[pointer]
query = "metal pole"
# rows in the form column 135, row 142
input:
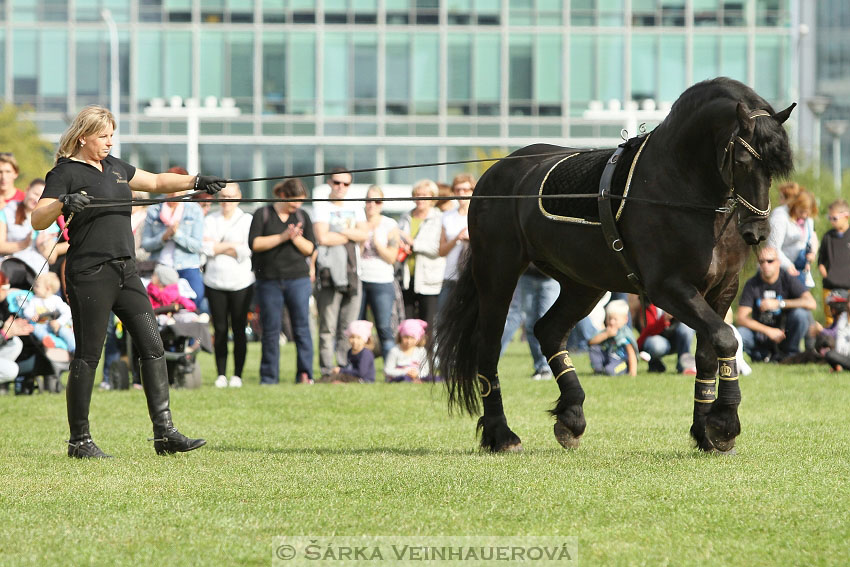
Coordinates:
column 114, row 77
column 836, row 164
column 816, row 148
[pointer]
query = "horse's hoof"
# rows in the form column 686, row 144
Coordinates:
column 719, row 444
column 728, row 453
column 565, row 437
column 510, row 448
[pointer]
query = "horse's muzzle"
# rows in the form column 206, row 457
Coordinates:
column 754, row 230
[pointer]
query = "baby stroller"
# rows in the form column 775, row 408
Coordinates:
column 182, row 342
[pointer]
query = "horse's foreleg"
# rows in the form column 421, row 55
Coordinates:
column 715, row 421
column 552, row 330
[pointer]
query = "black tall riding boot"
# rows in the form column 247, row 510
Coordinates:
column 166, row 437
column 78, row 397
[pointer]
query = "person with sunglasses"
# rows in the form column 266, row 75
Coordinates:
column 101, row 275
column 773, row 312
column 340, row 228
column 378, row 255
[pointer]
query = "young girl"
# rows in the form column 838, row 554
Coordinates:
column 49, row 315
column 407, row 361
column 361, row 360
column 164, row 292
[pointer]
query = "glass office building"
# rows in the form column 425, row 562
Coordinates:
column 365, row 83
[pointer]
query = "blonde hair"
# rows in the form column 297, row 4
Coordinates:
column 839, row 206
column 375, row 189
column 617, row 307
column 8, row 157
column 91, row 120
column 427, row 184
column 52, row 281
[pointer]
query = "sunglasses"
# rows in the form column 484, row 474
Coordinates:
column 374, row 202
column 343, row 183
column 767, row 260
column 836, row 218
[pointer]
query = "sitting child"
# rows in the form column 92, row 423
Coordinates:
column 165, row 294
column 407, row 360
column 361, row 360
column 614, row 350
column 49, row 315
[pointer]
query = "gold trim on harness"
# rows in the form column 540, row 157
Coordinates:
column 553, row 216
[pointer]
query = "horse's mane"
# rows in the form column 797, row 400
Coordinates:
column 769, row 136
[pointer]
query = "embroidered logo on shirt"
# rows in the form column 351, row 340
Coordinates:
column 118, row 178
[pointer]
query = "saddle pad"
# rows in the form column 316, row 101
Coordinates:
column 579, row 174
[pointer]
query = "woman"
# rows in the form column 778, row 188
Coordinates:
column 282, row 240
column 377, row 271
column 9, row 172
column 454, row 238
column 18, row 239
column 174, row 234
column 792, row 233
column 229, row 281
column 422, row 274
column 101, row 272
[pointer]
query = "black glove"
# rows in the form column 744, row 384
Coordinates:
column 209, row 183
column 73, row 203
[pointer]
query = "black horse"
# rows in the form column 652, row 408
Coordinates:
column 709, row 162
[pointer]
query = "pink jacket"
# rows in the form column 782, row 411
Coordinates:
column 168, row 295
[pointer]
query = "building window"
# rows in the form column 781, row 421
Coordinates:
column 38, row 78
column 397, row 74
column 227, row 67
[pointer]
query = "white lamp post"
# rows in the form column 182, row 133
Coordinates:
column 837, row 129
column 192, row 113
column 114, row 77
column 629, row 116
column 818, row 105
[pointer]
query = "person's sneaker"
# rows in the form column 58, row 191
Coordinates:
column 221, row 381
column 655, row 365
column 688, row 364
column 105, row 386
column 645, row 356
column 86, row 449
column 235, row 382
column 542, row 375
column 304, row 378
column 690, row 371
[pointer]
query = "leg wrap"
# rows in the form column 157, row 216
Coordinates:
column 730, row 391
column 491, row 395
column 705, row 391
column 566, row 377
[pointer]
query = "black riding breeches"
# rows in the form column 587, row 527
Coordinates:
column 113, row 286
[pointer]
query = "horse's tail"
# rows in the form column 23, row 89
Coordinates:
column 453, row 350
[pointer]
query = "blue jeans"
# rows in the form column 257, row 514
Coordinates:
column 381, row 298
column 271, row 295
column 759, row 347
column 196, row 282
column 581, row 333
column 533, row 297
column 675, row 338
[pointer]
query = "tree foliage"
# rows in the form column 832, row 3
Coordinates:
column 20, row 136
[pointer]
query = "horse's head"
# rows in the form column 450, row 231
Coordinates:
column 756, row 150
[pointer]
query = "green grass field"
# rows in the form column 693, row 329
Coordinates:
column 388, row 460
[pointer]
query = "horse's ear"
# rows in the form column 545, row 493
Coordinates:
column 745, row 123
column 783, row 115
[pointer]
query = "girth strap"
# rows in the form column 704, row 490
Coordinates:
column 609, row 224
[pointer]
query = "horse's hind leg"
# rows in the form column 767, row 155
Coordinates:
column 552, row 330
column 495, row 290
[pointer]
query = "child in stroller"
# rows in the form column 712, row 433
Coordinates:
column 183, row 331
